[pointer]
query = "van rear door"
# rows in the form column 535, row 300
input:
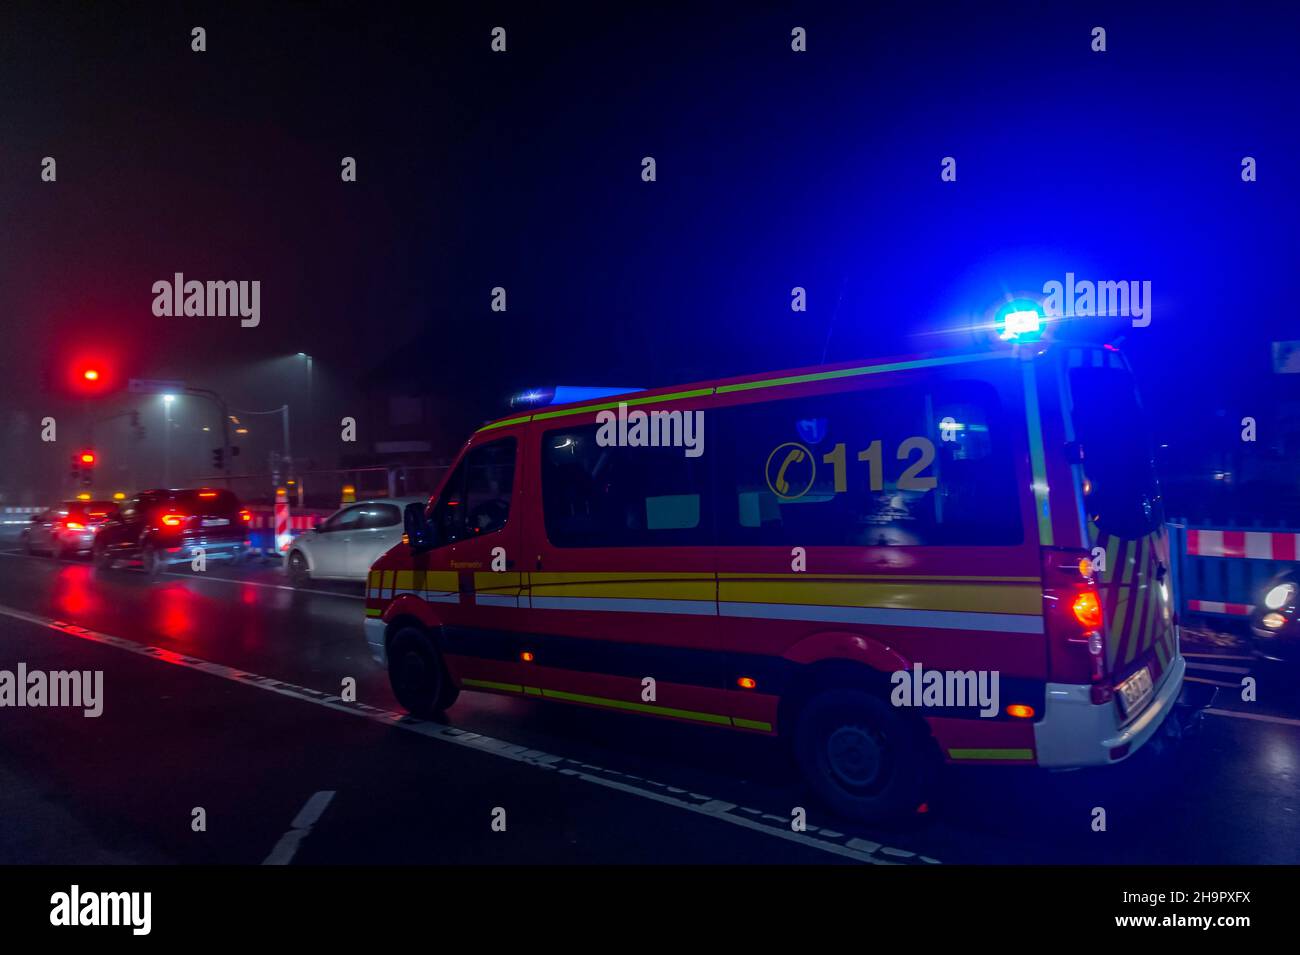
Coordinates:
column 1125, row 521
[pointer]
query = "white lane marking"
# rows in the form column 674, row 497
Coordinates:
column 1192, row 665
column 1218, row 656
column 436, row 731
column 299, row 829
column 258, row 583
column 228, row 580
column 1198, row 679
column 1259, row 717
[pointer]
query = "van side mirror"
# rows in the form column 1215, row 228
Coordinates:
column 420, row 534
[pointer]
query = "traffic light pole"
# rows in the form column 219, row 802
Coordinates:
column 225, row 426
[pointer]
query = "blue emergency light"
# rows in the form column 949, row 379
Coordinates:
column 1020, row 321
column 563, row 395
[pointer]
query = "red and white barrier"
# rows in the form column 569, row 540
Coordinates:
column 1219, row 606
column 282, row 536
column 1256, row 545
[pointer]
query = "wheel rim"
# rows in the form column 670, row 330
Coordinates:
column 857, row 757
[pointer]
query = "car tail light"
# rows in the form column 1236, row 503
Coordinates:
column 245, row 515
column 1072, row 612
column 74, row 526
column 172, row 520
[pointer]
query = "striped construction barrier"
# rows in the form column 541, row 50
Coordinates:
column 1221, row 571
column 1251, row 545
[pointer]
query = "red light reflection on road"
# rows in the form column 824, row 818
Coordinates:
column 74, row 591
column 174, row 611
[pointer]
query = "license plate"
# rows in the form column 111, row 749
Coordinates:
column 1134, row 692
column 215, row 521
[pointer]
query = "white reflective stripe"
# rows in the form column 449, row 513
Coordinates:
column 890, row 616
column 1211, row 543
column 496, row 600
column 627, row 605
column 1259, row 545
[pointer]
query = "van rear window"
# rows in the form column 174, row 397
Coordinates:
column 1124, row 496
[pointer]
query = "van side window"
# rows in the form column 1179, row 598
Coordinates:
column 476, row 498
column 894, row 467
column 594, row 496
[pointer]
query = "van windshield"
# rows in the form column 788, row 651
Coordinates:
column 1124, row 496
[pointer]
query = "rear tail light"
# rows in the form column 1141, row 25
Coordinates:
column 1072, row 611
column 172, row 520
column 75, row 526
column 245, row 516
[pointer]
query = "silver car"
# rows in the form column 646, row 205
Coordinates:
column 345, row 544
column 66, row 529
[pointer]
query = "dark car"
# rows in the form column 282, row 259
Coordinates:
column 1275, row 621
column 162, row 527
column 68, row 528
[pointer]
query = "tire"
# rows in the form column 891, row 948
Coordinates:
column 151, row 560
column 865, row 759
column 417, row 674
column 299, row 573
column 101, row 558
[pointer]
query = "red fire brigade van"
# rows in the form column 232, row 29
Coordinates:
column 775, row 553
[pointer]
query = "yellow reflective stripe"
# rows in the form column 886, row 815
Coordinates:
column 493, row 685
column 585, row 575
column 905, row 578
column 630, row 400
column 374, row 612
column 861, row 370
column 646, row 589
column 1121, row 596
column 1037, row 460
column 1141, row 602
column 503, row 424
column 567, row 697
column 991, row 754
column 486, row 583
column 635, row 707
column 917, row 595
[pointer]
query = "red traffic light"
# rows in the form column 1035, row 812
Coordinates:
column 87, row 457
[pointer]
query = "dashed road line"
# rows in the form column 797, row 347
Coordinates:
column 587, row 772
column 299, row 829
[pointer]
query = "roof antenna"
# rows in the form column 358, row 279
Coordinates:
column 831, row 326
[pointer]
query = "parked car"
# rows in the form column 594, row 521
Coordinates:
column 160, row 527
column 66, row 529
column 1275, row 620
column 347, row 542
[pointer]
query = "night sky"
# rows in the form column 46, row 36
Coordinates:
column 522, row 170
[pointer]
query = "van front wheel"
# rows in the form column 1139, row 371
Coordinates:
column 417, row 674
column 864, row 758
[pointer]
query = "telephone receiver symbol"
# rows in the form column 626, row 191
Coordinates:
column 793, row 456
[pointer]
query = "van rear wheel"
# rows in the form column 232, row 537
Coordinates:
column 863, row 757
column 417, row 674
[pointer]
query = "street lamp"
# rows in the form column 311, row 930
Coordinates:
column 167, row 440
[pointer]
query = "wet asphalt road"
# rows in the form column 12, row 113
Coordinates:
column 238, row 717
